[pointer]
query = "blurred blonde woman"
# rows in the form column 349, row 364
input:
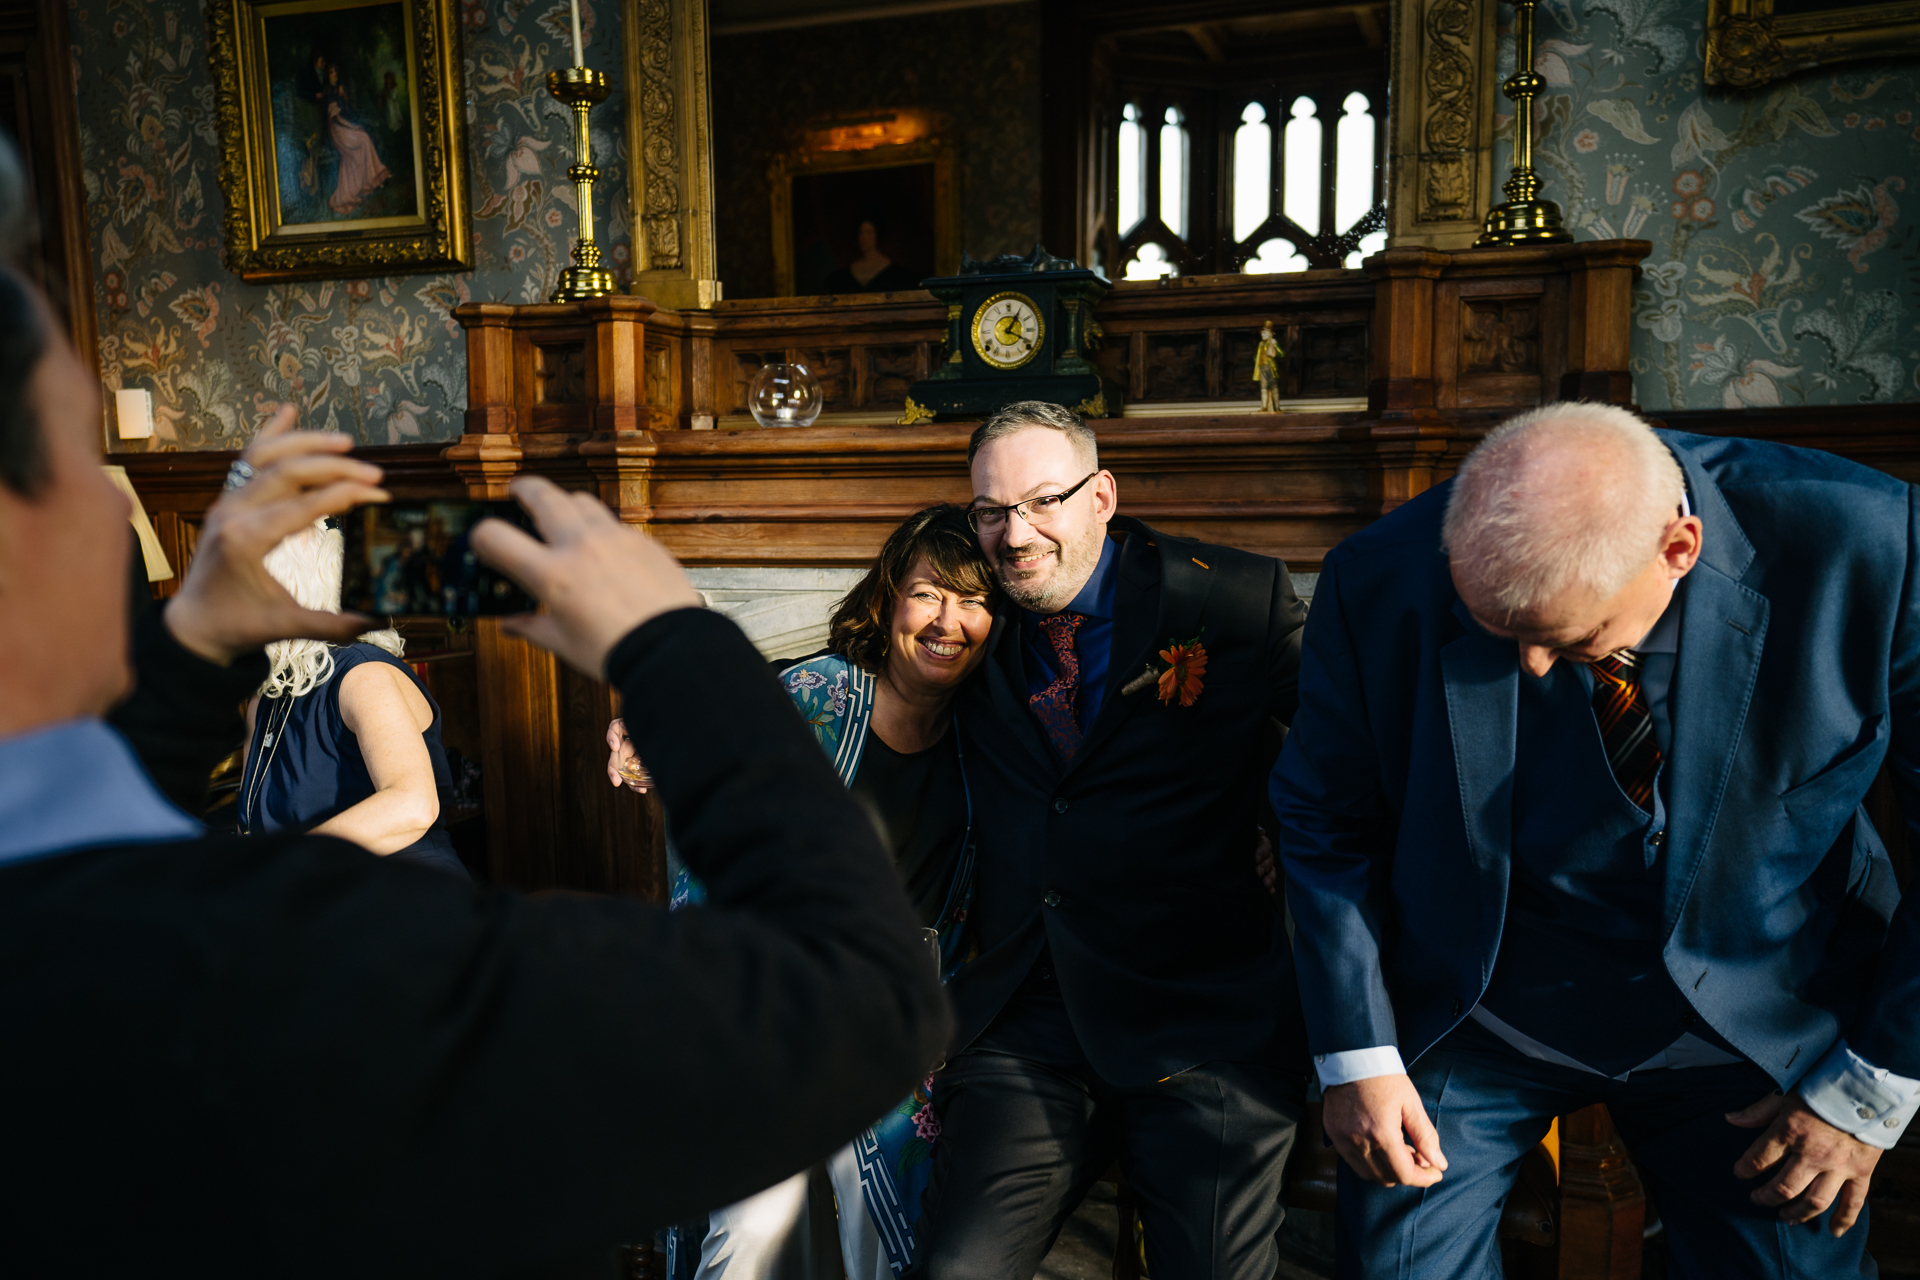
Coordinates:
column 344, row 740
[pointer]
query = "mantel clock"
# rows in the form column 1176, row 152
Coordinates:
column 1017, row 329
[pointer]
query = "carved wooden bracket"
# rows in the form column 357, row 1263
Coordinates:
column 670, row 151
column 1441, row 130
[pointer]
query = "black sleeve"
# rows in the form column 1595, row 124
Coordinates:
column 185, row 714
column 453, row 1079
column 1285, row 617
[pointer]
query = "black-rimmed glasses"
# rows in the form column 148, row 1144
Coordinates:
column 1035, row 511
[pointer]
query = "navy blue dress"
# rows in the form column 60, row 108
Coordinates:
column 304, row 765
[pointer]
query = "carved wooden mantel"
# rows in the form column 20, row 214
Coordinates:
column 594, row 395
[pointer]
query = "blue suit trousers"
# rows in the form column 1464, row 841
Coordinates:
column 1491, row 1105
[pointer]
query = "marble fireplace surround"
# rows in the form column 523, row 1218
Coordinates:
column 784, row 611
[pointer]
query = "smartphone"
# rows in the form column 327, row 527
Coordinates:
column 413, row 558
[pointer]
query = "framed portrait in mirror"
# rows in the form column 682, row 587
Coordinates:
column 342, row 138
column 877, row 220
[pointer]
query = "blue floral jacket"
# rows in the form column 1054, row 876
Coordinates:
column 836, row 698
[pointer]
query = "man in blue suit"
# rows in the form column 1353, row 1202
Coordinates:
column 1571, row 813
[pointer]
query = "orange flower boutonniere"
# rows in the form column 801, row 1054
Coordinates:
column 1186, row 663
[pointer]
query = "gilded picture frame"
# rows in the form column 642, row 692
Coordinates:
column 342, row 137
column 1750, row 43
column 925, row 163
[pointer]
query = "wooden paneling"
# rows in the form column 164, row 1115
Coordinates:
column 1503, row 328
column 37, row 111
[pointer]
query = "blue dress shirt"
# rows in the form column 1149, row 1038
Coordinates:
column 75, row 785
column 1092, row 640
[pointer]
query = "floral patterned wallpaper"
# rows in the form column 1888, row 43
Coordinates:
column 1782, row 272
column 381, row 358
column 979, row 67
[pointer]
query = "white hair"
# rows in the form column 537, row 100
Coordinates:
column 308, row 565
column 1560, row 496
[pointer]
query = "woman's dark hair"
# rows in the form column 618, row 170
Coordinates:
column 862, row 623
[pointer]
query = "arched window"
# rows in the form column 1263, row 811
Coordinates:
column 1303, row 181
column 1353, row 162
column 1132, row 169
column 1151, row 264
column 1173, row 172
column 1370, row 244
column 1252, row 172
column 1276, row 255
column 1241, row 175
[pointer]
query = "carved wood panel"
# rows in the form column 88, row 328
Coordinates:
column 1176, row 366
column 833, row 369
column 560, row 373
column 1445, row 93
column 890, row 370
column 1331, row 359
column 1500, row 336
column 745, row 365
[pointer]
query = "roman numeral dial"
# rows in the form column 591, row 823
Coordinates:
column 1008, row 330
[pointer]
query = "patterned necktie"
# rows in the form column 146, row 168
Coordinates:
column 1626, row 726
column 1054, row 705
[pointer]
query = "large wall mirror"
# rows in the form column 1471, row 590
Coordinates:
column 850, row 146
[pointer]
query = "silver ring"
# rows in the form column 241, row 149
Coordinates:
column 239, row 473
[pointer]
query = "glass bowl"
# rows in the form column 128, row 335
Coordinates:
column 784, row 395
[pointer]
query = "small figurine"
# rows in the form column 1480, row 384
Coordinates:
column 1266, row 369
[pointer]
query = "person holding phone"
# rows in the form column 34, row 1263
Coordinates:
column 278, row 1055
column 878, row 700
column 344, row 740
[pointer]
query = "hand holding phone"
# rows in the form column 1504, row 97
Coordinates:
column 417, row 558
column 598, row 578
column 228, row 604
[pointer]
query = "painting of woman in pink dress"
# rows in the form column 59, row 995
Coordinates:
column 360, row 171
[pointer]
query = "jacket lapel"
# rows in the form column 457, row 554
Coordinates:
column 1159, row 594
column 1481, row 676
column 1722, row 635
column 1006, row 676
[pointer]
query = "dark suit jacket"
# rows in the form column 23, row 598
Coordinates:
column 1169, row 951
column 280, row 1055
column 1798, row 670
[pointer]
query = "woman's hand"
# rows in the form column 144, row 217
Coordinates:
column 623, row 766
column 228, row 605
column 1263, row 862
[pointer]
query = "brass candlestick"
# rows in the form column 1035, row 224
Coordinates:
column 580, row 88
column 1523, row 219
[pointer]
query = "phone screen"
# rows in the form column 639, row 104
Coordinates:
column 413, row 558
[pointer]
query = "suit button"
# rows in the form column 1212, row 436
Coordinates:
column 1060, row 805
column 1456, row 1008
column 1657, row 839
column 1052, row 899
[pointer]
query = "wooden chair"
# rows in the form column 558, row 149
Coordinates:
column 1583, row 1223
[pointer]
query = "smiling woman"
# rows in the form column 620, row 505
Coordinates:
column 900, row 646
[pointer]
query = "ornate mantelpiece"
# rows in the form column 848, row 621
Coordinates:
column 1442, row 343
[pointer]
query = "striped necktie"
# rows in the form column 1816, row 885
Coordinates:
column 1626, row 726
column 1055, row 704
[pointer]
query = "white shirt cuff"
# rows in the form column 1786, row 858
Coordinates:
column 1856, row 1097
column 1357, row 1064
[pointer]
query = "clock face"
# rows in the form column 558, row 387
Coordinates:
column 1007, row 330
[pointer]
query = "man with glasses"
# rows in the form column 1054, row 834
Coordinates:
column 1130, row 993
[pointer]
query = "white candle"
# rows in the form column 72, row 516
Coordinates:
column 579, row 45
